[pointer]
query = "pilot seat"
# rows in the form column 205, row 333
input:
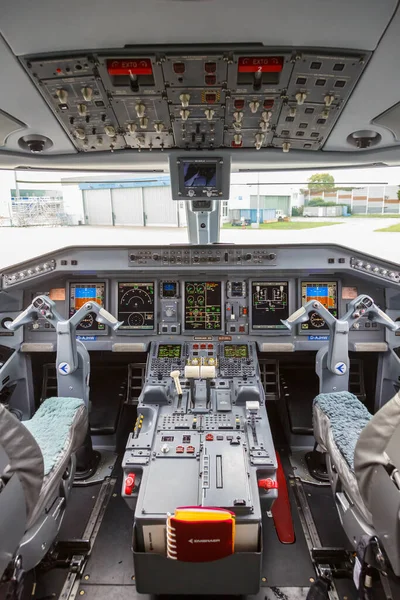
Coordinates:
column 363, row 458
column 37, row 467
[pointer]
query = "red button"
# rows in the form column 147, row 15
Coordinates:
column 195, row 346
column 267, row 484
column 210, row 80
column 210, row 67
column 209, row 437
column 210, row 346
column 239, row 104
column 130, row 484
column 179, row 68
column 245, row 310
column 202, row 346
column 268, row 103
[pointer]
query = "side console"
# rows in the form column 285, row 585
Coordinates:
column 202, row 438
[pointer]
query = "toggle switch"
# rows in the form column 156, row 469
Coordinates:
column 301, row 97
column 238, row 116
column 184, row 98
column 80, row 134
column 238, row 138
column 184, row 114
column 159, row 127
column 254, row 106
column 140, row 110
column 286, row 146
column 266, row 115
column 143, row 122
column 99, row 141
column 87, row 93
column 264, row 126
column 292, row 111
column 209, row 112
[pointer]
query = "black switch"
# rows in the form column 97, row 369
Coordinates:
column 64, row 262
column 342, row 260
column 331, row 260
column 74, row 262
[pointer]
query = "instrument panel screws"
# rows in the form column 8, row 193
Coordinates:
column 82, row 592
column 87, row 577
column 311, row 580
column 264, row 579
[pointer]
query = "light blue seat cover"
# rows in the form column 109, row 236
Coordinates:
column 348, row 417
column 51, row 427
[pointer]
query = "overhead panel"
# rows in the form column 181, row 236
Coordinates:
column 198, row 98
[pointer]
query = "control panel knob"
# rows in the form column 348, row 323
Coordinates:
column 87, row 93
column 329, row 98
column 259, row 138
column 209, row 112
column 301, row 97
column 159, row 127
column 254, row 106
column 191, row 193
column 132, row 257
column 237, row 126
column 184, row 114
column 208, row 193
column 264, row 126
column 109, row 130
column 272, row 256
column 169, row 311
column 144, row 121
column 62, row 96
column 184, row 98
column 80, row 134
column 131, row 127
column 140, row 110
column 165, row 449
column 248, row 256
column 286, row 146
column 238, row 116
column 266, row 115
column 82, row 109
column 156, row 256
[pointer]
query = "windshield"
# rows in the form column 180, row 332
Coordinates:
column 44, row 211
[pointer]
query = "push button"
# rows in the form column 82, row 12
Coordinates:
column 130, row 484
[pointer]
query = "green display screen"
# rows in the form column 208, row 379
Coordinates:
column 236, row 351
column 169, row 351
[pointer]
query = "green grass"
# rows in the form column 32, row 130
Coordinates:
column 288, row 225
column 395, row 228
column 378, row 216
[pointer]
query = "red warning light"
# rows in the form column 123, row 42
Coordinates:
column 129, row 66
column 260, row 64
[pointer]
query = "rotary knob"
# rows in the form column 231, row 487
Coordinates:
column 191, row 193
column 156, row 256
column 169, row 311
column 248, row 256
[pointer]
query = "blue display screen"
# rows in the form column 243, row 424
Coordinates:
column 86, row 292
column 169, row 287
column 317, row 291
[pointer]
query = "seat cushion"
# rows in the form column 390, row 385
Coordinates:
column 59, row 428
column 338, row 420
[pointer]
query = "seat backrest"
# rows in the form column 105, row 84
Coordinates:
column 25, row 457
column 377, row 455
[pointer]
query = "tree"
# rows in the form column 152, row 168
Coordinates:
column 321, row 182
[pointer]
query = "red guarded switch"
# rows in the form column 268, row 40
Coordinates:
column 130, row 484
column 267, row 484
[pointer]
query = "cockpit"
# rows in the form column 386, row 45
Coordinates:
column 211, row 410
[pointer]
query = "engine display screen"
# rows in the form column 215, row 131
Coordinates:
column 326, row 292
column 169, row 289
column 269, row 304
column 236, row 351
column 199, row 174
column 203, row 305
column 79, row 294
column 136, row 305
column 169, row 351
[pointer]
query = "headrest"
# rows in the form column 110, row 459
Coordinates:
column 25, row 456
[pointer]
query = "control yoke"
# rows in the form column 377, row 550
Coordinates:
column 363, row 305
column 66, row 329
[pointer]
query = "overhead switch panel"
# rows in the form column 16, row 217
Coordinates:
column 197, row 98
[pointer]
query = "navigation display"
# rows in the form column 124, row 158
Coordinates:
column 203, row 305
column 326, row 292
column 269, row 304
column 236, row 351
column 169, row 351
column 79, row 294
column 136, row 305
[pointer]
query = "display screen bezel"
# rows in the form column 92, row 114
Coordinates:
column 322, row 330
column 87, row 332
column 270, row 330
column 195, row 332
column 137, row 330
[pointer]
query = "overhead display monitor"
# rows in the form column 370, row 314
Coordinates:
column 200, row 176
column 203, row 305
column 79, row 294
column 136, row 305
column 269, row 304
column 326, row 292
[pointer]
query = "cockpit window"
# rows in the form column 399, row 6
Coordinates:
column 43, row 211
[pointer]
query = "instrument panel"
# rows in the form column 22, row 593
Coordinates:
column 136, row 305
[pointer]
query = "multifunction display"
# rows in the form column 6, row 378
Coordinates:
column 136, row 305
column 198, row 174
column 169, row 351
column 169, row 289
column 326, row 292
column 203, row 305
column 269, row 304
column 79, row 294
column 236, row 351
